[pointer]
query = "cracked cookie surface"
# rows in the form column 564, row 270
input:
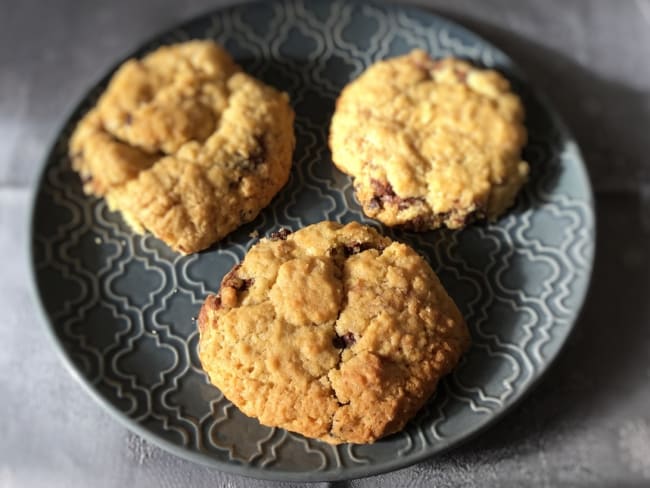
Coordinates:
column 185, row 145
column 334, row 332
column 430, row 143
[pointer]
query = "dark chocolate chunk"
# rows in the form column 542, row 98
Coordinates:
column 254, row 158
column 259, row 155
column 231, row 280
column 385, row 194
column 357, row 247
column 279, row 235
column 375, row 204
column 383, row 190
column 230, row 277
column 344, row 341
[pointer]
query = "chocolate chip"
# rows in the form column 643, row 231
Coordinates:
column 478, row 214
column 357, row 247
column 240, row 284
column 385, row 194
column 383, row 190
column 128, row 119
column 259, row 155
column 230, row 276
column 422, row 223
column 458, row 217
column 231, row 280
column 85, row 179
column 279, row 235
column 344, row 341
column 408, row 202
column 375, row 204
column 349, row 339
column 255, row 157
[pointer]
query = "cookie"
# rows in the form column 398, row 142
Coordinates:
column 430, row 143
column 185, row 145
column 334, row 332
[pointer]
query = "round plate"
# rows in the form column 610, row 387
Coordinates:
column 122, row 307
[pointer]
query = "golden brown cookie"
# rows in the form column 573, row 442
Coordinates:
column 185, row 145
column 430, row 143
column 334, row 331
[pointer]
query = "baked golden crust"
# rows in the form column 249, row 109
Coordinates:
column 430, row 143
column 335, row 332
column 185, row 145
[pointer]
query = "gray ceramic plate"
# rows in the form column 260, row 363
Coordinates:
column 121, row 306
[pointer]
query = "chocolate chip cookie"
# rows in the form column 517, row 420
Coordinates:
column 430, row 143
column 185, row 145
column 334, row 332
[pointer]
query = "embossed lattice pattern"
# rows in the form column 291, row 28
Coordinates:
column 122, row 305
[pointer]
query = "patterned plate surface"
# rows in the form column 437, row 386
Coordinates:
column 121, row 306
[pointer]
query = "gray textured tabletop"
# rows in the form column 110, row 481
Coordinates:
column 587, row 423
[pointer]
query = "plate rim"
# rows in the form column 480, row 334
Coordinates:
column 255, row 472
